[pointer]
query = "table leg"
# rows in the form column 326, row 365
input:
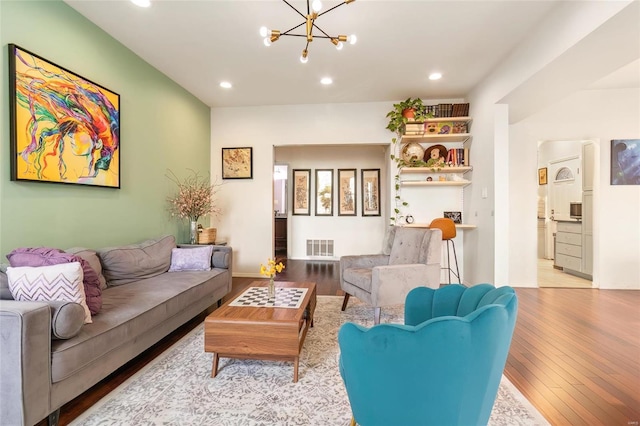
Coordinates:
column 295, row 370
column 214, row 367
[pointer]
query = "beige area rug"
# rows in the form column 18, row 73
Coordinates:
column 176, row 388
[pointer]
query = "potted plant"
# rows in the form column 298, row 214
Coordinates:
column 411, row 109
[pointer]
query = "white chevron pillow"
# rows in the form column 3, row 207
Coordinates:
column 46, row 283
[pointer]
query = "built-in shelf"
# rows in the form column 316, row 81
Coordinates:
column 426, row 138
column 435, row 183
column 458, row 169
column 441, row 119
column 426, row 225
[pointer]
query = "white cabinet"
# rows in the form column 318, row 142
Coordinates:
column 569, row 246
column 587, row 232
column 588, row 160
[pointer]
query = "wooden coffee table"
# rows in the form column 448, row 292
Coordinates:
column 271, row 333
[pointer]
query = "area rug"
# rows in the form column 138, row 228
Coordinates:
column 176, row 387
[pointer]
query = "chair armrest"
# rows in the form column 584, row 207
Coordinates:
column 25, row 362
column 391, row 283
column 363, row 261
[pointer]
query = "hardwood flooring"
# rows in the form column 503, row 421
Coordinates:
column 575, row 353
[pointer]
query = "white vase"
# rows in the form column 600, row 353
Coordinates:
column 193, row 232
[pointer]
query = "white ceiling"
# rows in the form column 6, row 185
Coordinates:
column 198, row 44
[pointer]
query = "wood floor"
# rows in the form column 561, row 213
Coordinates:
column 575, row 353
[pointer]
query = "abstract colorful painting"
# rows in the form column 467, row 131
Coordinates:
column 64, row 128
column 625, row 162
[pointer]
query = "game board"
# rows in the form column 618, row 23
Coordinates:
column 257, row 297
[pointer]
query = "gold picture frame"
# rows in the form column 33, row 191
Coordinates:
column 542, row 176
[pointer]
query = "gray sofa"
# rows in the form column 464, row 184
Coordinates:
column 39, row 372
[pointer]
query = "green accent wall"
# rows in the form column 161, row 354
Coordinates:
column 162, row 127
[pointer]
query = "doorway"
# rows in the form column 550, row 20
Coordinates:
column 565, row 252
column 280, row 209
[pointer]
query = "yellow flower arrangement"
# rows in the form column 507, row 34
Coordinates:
column 271, row 269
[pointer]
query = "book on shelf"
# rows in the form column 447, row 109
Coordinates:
column 445, row 110
column 457, row 157
column 460, row 110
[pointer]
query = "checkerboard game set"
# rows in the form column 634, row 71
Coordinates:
column 286, row 297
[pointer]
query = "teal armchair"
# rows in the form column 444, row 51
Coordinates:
column 442, row 367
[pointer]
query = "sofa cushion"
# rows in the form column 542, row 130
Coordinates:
column 191, row 259
column 46, row 283
column 43, row 256
column 128, row 312
column 406, row 246
column 92, row 257
column 127, row 264
column 67, row 318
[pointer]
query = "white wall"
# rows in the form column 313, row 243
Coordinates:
column 591, row 114
column 351, row 234
column 574, row 30
column 247, row 219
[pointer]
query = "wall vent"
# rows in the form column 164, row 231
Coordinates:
column 320, row 248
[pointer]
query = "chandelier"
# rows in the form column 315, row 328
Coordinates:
column 313, row 13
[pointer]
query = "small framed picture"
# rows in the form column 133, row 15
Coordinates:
column 456, row 217
column 347, row 192
column 237, row 163
column 370, row 192
column 324, row 192
column 301, row 192
column 542, row 176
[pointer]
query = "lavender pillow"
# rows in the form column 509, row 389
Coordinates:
column 191, row 259
column 46, row 256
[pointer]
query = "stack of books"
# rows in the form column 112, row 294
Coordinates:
column 434, row 110
column 414, row 128
column 460, row 110
column 448, row 110
column 445, row 110
column 458, row 157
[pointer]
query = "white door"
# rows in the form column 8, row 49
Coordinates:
column 565, row 186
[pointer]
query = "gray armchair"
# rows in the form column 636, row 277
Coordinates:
column 410, row 259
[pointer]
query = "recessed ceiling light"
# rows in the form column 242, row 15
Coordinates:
column 142, row 3
column 435, row 76
column 326, row 81
column 225, row 85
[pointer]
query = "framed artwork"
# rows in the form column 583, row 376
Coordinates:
column 625, row 162
column 324, row 192
column 63, row 127
column 347, row 194
column 370, row 192
column 542, row 176
column 237, row 163
column 301, row 192
column 455, row 216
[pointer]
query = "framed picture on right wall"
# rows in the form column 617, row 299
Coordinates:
column 370, row 192
column 625, row 162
